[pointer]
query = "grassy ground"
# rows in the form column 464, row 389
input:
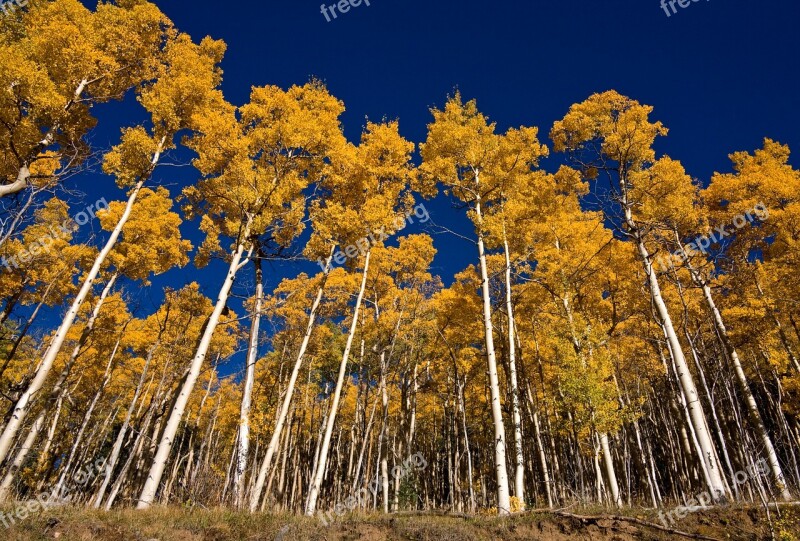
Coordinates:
column 174, row 524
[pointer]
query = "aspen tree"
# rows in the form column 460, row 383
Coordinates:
column 611, row 135
column 315, row 301
column 253, row 185
column 185, row 81
column 118, row 44
column 462, row 151
column 773, row 206
column 370, row 195
column 150, row 244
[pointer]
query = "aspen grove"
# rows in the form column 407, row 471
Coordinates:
column 602, row 349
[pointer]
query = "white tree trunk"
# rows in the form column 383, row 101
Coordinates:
column 384, row 437
column 19, row 459
column 610, row 472
column 519, row 478
column 243, row 446
column 150, row 488
column 463, row 412
column 111, row 462
column 708, row 457
column 56, row 392
column 287, row 400
column 66, row 466
column 752, row 408
column 319, row 473
column 503, row 496
column 708, row 453
column 24, row 173
column 542, row 459
column 23, row 404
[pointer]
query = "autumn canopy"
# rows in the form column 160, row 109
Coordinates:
column 596, row 351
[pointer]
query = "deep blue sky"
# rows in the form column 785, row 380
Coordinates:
column 722, row 74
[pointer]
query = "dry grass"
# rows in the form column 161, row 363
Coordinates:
column 177, row 524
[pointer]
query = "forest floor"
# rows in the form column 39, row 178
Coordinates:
column 176, row 524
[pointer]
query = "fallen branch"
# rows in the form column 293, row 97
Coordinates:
column 562, row 513
column 596, row 518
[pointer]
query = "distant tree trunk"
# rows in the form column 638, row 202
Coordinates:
column 603, row 437
column 319, row 473
column 779, row 326
column 88, row 415
column 384, row 437
column 463, row 412
column 542, row 460
column 255, row 496
column 137, row 447
column 111, row 461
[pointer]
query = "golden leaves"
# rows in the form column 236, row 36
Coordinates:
column 620, row 124
column 151, row 239
column 131, row 160
column 256, row 173
column 185, row 85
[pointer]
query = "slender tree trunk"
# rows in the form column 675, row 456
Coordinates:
column 716, row 485
column 641, row 456
column 501, row 471
column 542, row 460
column 319, row 473
column 56, row 392
column 778, row 325
column 463, row 412
column 23, row 403
column 137, row 447
column 148, row 495
column 365, row 440
column 111, row 462
column 19, row 459
column 519, row 478
column 384, row 437
column 255, row 496
column 752, row 408
column 88, row 415
column 243, row 446
column 603, row 437
column 610, row 472
column 744, row 387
